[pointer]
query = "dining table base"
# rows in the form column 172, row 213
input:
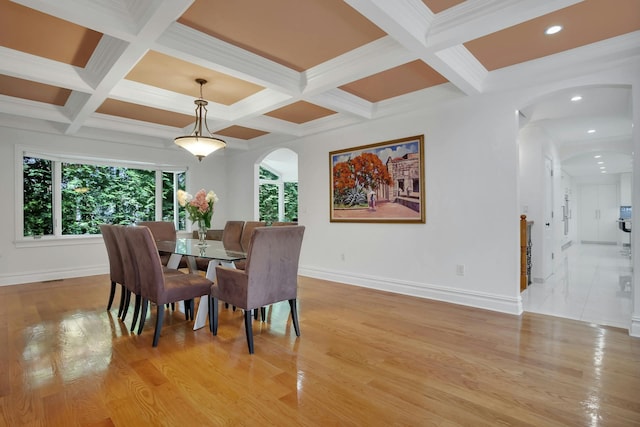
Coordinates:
column 203, row 306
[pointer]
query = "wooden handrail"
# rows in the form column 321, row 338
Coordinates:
column 523, row 253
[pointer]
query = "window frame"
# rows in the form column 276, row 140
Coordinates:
column 59, row 157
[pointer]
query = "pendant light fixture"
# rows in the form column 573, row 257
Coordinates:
column 199, row 144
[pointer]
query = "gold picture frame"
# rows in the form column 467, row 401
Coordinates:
column 381, row 182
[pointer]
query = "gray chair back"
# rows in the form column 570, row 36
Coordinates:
column 271, row 273
column 231, row 235
column 271, row 276
column 247, row 232
column 116, row 271
column 272, row 265
column 161, row 230
column 131, row 280
column 212, row 234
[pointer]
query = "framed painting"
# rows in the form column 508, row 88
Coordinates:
column 382, row 182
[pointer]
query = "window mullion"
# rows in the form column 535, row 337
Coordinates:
column 280, row 200
column 158, row 195
column 57, row 198
column 176, row 208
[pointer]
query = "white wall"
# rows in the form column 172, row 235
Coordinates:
column 531, row 140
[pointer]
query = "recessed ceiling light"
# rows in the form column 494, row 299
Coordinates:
column 602, row 167
column 576, row 98
column 597, row 156
column 600, row 163
column 591, row 131
column 603, row 171
column 553, row 29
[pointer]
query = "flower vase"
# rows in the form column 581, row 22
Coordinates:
column 202, row 234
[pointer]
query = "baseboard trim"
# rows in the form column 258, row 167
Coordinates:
column 596, row 242
column 42, row 276
column 634, row 329
column 422, row 290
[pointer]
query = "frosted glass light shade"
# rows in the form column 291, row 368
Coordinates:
column 200, row 146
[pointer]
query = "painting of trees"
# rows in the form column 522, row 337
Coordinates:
column 353, row 179
column 381, row 182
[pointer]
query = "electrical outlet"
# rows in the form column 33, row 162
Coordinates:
column 460, row 269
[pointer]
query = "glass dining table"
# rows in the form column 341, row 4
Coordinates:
column 213, row 250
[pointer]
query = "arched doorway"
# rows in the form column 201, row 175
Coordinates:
column 576, row 174
column 278, row 187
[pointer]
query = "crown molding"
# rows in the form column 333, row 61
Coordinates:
column 259, row 103
column 30, row 67
column 32, row 109
column 344, row 102
column 185, row 43
column 616, row 52
column 105, row 16
column 461, row 68
column 374, row 57
column 407, row 21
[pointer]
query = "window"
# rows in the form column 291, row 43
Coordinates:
column 278, row 200
column 63, row 197
column 38, row 196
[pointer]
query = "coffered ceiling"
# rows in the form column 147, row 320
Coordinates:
column 282, row 69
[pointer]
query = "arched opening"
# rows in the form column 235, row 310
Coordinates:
column 575, row 178
column 278, row 187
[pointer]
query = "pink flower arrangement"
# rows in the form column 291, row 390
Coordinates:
column 199, row 207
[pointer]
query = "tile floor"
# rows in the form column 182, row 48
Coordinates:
column 591, row 283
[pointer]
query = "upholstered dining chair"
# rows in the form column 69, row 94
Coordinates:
column 245, row 238
column 163, row 230
column 131, row 279
column 212, row 234
column 247, row 231
column 157, row 286
column 131, row 283
column 231, row 235
column 116, row 271
column 271, row 275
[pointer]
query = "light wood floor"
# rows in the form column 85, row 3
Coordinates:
column 365, row 358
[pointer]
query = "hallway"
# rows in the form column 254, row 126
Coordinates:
column 592, row 283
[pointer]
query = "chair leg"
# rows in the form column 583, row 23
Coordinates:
column 294, row 316
column 143, row 314
column 263, row 312
column 136, row 312
column 123, row 293
column 189, row 308
column 127, row 301
column 255, row 313
column 159, row 319
column 112, row 293
column 248, row 329
column 213, row 315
